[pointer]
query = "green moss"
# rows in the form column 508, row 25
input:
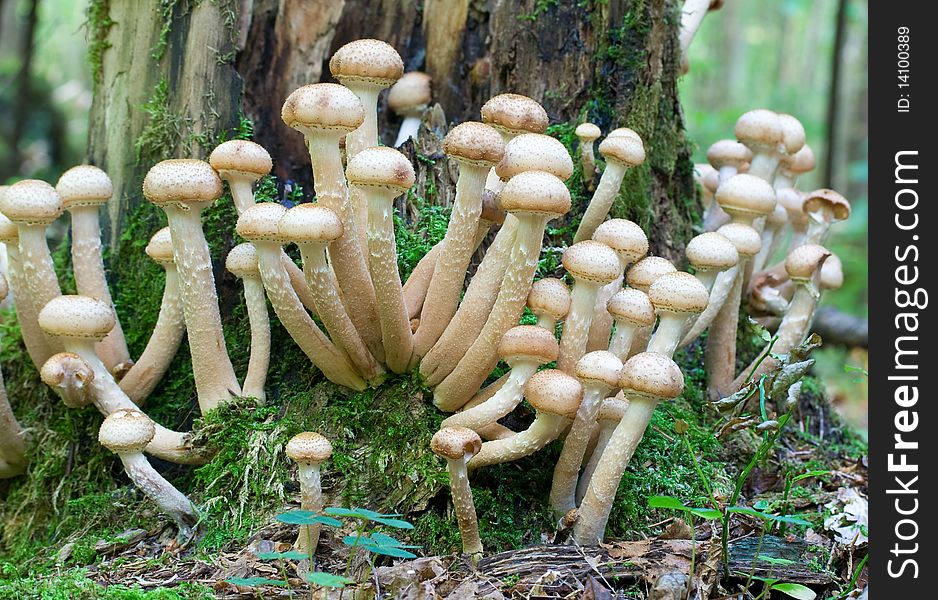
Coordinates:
column 98, row 24
column 164, row 128
column 75, row 584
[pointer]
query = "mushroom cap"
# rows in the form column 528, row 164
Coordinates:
column 625, row 237
column 593, row 261
column 309, row 447
column 9, row 234
column 554, row 392
column 711, row 251
column 31, row 202
column 515, row 114
column 646, row 271
column 310, row 223
column 598, row 368
column 832, row 273
column 632, row 306
column 793, row 135
column 746, row 195
column 800, row 162
column 549, row 296
column 678, row 292
column 711, row 180
column 260, row 223
column 587, row 132
column 160, row 247
column 242, row 261
column 411, row 93
column 474, row 143
column 803, row 261
column 612, row 409
column 323, row 107
column 778, row 217
column 367, row 61
column 382, row 168
column 793, row 202
column 759, row 129
column 535, row 192
column 624, row 132
column 84, row 185
column 62, row 365
column 728, row 153
column 126, row 431
column 747, row 240
column 623, row 149
column 528, row 342
column 77, row 317
column 492, row 213
column 242, row 158
column 535, row 152
column 181, row 181
column 455, row 443
column 652, row 375
column 825, row 199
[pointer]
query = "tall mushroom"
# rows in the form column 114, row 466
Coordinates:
column 242, row 263
column 309, row 450
column 458, row 445
column 513, row 115
column 677, row 297
column 710, row 254
column 587, row 133
column 607, row 419
column 409, row 98
column 761, row 131
column 621, row 153
column 692, row 15
column 728, row 157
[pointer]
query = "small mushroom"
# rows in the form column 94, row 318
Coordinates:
column 710, row 254
column 458, row 445
column 309, row 450
column 621, row 153
column 607, row 419
column 549, row 300
column 409, row 98
column 793, row 136
column 587, row 133
column 728, row 157
column 761, row 131
column 632, row 311
column 746, row 199
column 793, row 166
column 242, row 263
column 641, row 276
column 513, row 115
column 70, row 378
column 823, row 208
column 677, row 297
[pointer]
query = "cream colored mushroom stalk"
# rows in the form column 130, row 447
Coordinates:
column 383, row 174
column 458, row 445
column 555, row 397
column 598, row 372
column 587, row 133
column 632, row 311
column 260, row 226
column 12, row 436
column 84, row 190
column 476, row 148
column 309, row 450
column 183, row 188
column 409, row 98
column 313, row 228
column 607, row 419
column 677, row 297
column 692, row 15
column 640, row 277
column 761, row 131
column 646, row 379
column 127, row 433
column 242, row 263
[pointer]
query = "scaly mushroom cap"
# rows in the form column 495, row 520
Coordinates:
column 535, row 152
column 800, row 162
column 632, row 306
column 759, row 128
column 475, row 144
column 747, row 240
column 491, row 211
column 625, row 237
column 126, row 430
column 260, row 223
column 308, row 447
column 31, row 202
column 160, row 247
column 367, row 61
column 832, row 273
column 310, row 223
column 79, row 317
column 59, row 366
column 728, row 153
column 515, row 114
column 652, row 375
column 623, row 149
column 778, row 216
column 646, row 271
column 535, row 192
column 456, row 443
column 678, row 292
column 242, row 261
column 554, row 392
column 528, row 342
column 549, row 296
column 240, row 157
column 825, row 198
column 792, row 133
column 323, row 107
column 587, row 132
column 411, row 93
column 803, row 261
column 381, row 167
column 598, row 367
column 612, row 409
column 84, row 185
column 590, row 260
column 624, row 132
column 711, row 251
column 793, row 203
column 8, row 232
column 746, row 195
column 711, row 180
column 181, row 181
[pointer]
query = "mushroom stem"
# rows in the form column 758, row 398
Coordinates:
column 719, row 292
column 36, row 267
column 606, row 191
column 12, row 439
column 606, row 426
column 720, row 355
column 669, row 332
column 39, row 346
column 505, row 399
column 170, row 500
column 409, row 128
column 256, row 302
column 464, row 506
column 309, row 474
column 577, row 324
column 621, row 343
column 545, row 429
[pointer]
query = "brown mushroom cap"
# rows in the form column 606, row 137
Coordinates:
column 598, row 367
column 711, row 251
column 84, row 185
column 612, row 409
column 261, row 223
column 411, row 92
column 455, row 443
column 624, row 132
column 747, row 240
column 310, row 223
column 240, row 157
column 803, row 261
column 759, row 128
column 711, row 180
column 381, row 167
column 549, row 296
column 324, row 107
column 800, row 162
column 825, row 198
column 554, row 392
column 632, row 306
column 535, row 152
column 181, row 181
column 747, row 195
column 515, row 114
column 77, row 317
column 728, row 153
column 160, row 247
column 491, row 211
column 793, row 135
column 126, row 431
column 832, row 273
column 474, row 143
column 242, row 261
column 527, row 342
column 652, row 375
column 308, row 447
column 535, row 192
column 590, row 260
column 778, row 216
column 587, row 132
column 67, row 365
column 646, row 271
column 625, row 237
column 31, row 202
column 367, row 61
column 678, row 292
column 624, row 150
column 8, row 232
